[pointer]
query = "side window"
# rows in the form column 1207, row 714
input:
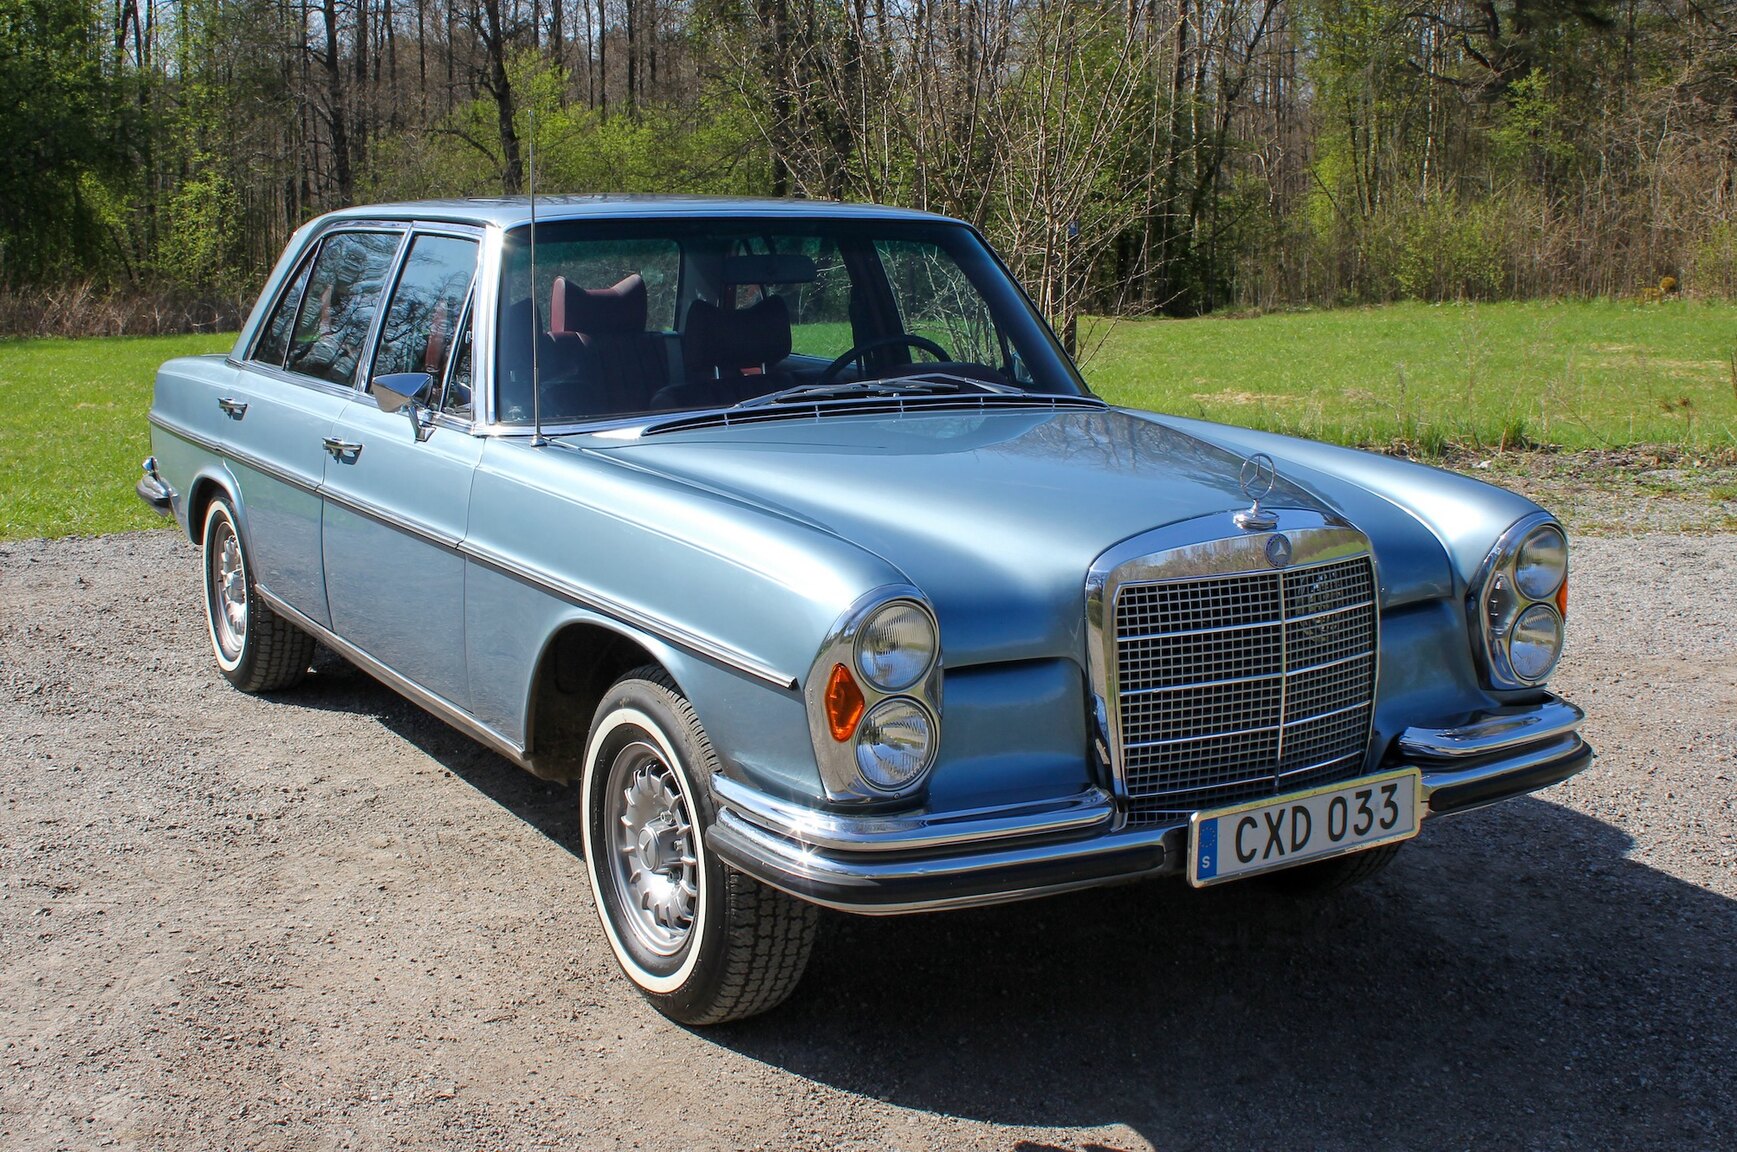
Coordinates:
column 273, row 343
column 426, row 307
column 338, row 306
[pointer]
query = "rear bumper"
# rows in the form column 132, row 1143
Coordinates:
column 923, row 862
column 153, row 490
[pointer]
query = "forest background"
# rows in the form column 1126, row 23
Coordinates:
column 1131, row 158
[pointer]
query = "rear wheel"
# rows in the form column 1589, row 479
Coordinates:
column 1325, row 876
column 704, row 943
column 257, row 650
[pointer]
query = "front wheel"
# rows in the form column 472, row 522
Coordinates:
column 257, row 650
column 704, row 943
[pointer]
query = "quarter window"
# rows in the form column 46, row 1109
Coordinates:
column 338, row 307
column 274, row 344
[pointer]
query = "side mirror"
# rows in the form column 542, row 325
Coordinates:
column 407, row 392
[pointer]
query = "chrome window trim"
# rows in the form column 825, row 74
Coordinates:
column 314, row 248
column 837, row 762
column 711, row 649
column 400, row 261
column 1202, row 548
column 304, row 264
column 485, row 311
column 1491, row 659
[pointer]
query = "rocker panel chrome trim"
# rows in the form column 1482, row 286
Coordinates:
column 415, row 693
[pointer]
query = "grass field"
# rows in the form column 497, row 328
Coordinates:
column 74, row 431
column 1590, row 374
column 1581, row 375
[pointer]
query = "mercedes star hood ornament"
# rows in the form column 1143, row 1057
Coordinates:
column 1260, row 475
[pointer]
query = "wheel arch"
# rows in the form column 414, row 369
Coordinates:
column 578, row 662
column 209, row 483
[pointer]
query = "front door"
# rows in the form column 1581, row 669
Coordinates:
column 398, row 492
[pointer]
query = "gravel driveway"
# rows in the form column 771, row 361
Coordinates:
column 325, row 920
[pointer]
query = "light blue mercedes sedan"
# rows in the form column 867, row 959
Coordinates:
column 789, row 533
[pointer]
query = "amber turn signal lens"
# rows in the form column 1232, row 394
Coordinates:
column 844, row 703
column 1562, row 599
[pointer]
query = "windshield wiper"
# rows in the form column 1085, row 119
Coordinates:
column 844, row 389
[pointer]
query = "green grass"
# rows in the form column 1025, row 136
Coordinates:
column 1598, row 374
column 74, row 430
column 1583, row 375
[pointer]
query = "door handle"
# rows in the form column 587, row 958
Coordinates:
column 342, row 448
column 236, row 409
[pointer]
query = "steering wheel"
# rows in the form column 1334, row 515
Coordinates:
column 897, row 339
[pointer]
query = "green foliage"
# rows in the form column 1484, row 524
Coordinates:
column 54, row 135
column 1712, row 268
column 1443, row 250
column 201, row 245
column 709, row 149
column 1528, row 129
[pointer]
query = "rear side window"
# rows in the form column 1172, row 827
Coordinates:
column 338, row 306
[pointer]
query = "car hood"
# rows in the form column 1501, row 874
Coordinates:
column 997, row 516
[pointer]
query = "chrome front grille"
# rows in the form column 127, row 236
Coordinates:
column 1234, row 687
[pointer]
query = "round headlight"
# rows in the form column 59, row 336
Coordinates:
column 1542, row 563
column 895, row 647
column 1535, row 642
column 892, row 744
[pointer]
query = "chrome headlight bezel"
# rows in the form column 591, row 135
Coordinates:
column 840, row 772
column 1501, row 595
column 871, row 659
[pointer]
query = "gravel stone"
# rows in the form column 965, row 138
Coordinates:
column 322, row 919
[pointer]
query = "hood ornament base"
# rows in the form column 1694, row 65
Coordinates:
column 1260, row 475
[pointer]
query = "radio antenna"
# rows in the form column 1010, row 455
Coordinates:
column 537, row 440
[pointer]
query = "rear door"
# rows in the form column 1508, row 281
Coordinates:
column 295, row 380
column 398, row 491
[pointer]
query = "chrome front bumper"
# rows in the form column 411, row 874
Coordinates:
column 921, row 862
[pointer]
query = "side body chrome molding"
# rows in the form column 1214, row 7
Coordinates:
column 707, row 647
column 409, row 689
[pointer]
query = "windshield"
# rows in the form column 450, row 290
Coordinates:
column 654, row 316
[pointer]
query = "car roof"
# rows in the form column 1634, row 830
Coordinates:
column 511, row 211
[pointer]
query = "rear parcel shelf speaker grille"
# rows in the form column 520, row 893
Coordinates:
column 1230, row 688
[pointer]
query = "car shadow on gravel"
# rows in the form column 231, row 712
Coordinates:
column 1514, row 980
column 338, row 686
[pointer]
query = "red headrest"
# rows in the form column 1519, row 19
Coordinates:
column 615, row 311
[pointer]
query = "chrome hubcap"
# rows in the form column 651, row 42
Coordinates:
column 229, row 592
column 656, row 870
